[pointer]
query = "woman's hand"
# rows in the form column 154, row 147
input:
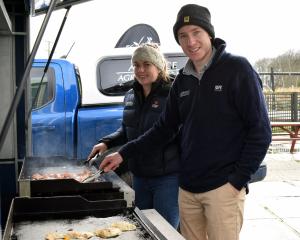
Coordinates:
column 111, row 162
column 98, row 148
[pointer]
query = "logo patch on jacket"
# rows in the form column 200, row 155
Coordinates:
column 155, row 104
column 218, row 88
column 129, row 104
column 184, row 93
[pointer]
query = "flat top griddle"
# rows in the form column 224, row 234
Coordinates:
column 38, row 229
column 53, row 165
column 33, row 218
column 62, row 186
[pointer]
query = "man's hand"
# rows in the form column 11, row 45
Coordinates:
column 235, row 191
column 111, row 162
column 98, row 148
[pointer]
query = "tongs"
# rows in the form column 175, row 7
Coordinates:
column 93, row 177
column 97, row 159
column 91, row 161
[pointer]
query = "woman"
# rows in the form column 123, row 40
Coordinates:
column 154, row 176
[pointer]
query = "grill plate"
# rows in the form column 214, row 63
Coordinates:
column 33, row 218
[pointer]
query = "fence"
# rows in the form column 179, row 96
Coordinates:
column 283, row 106
column 274, row 80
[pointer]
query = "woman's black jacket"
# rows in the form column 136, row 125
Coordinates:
column 139, row 115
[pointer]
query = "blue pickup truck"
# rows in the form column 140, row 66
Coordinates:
column 62, row 125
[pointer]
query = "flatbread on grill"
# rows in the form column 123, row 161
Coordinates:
column 79, row 235
column 54, row 236
column 124, row 226
column 108, row 232
column 69, row 235
column 70, row 238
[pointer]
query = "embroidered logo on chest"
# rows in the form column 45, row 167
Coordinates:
column 184, row 93
column 129, row 104
column 218, row 88
column 155, row 104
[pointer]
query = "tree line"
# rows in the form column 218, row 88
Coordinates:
column 281, row 72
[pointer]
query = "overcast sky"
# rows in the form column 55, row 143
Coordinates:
column 252, row 28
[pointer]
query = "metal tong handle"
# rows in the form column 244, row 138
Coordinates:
column 92, row 160
column 93, row 177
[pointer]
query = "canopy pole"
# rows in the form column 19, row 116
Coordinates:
column 20, row 89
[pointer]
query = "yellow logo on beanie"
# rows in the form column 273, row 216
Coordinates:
column 186, row 19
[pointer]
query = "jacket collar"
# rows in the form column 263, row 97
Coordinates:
column 219, row 46
column 138, row 89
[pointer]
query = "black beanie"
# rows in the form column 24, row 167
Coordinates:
column 192, row 14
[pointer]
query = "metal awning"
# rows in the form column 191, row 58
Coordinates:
column 41, row 6
column 5, row 23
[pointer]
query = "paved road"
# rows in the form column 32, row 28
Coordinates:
column 272, row 210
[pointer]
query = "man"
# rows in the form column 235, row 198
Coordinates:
column 217, row 104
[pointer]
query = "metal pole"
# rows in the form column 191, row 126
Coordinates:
column 20, row 89
column 272, row 79
column 294, row 107
column 47, row 65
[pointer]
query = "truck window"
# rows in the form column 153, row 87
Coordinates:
column 42, row 91
column 115, row 74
